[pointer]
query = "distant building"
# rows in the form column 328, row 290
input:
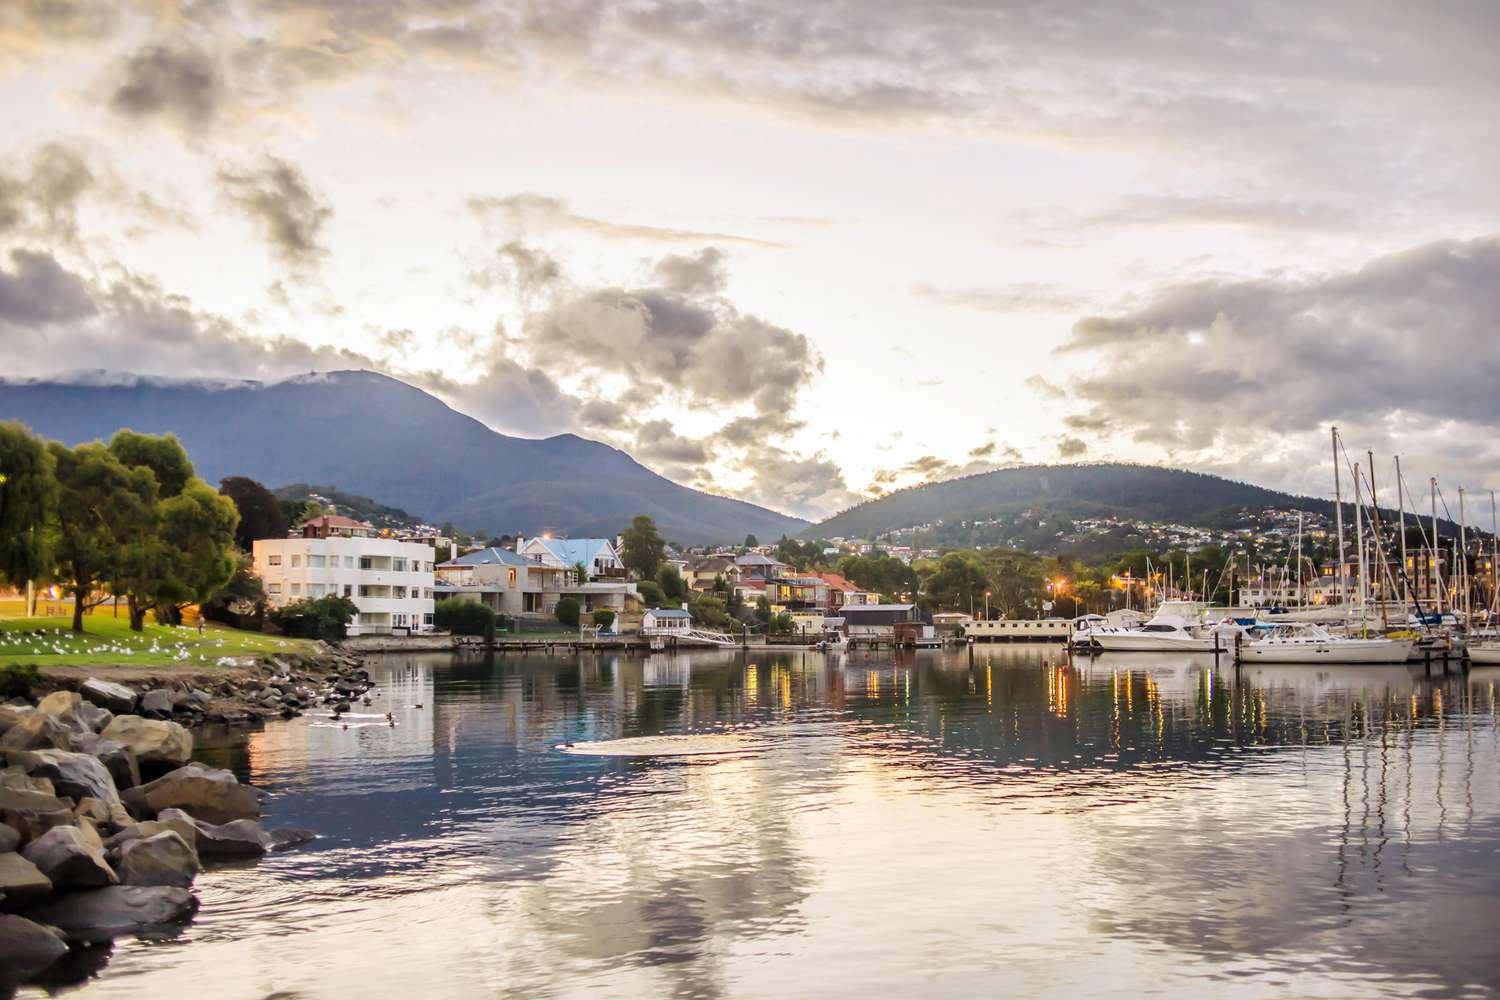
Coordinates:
column 390, row 582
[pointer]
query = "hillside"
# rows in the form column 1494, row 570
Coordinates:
column 1141, row 492
column 373, row 435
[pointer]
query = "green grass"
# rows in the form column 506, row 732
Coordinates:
column 109, row 641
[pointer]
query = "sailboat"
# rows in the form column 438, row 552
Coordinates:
column 1484, row 649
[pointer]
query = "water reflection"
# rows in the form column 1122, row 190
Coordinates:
column 919, row 823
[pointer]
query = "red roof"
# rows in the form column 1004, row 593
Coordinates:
column 838, row 583
column 337, row 521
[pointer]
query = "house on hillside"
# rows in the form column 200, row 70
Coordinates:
column 598, row 555
column 495, row 577
column 391, row 583
column 701, row 573
column 337, row 526
column 551, row 571
column 760, row 567
column 666, row 621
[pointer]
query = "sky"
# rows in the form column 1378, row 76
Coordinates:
column 799, row 254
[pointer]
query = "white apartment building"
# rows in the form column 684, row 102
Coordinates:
column 389, row 581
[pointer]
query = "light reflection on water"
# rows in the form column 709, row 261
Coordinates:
column 919, row 824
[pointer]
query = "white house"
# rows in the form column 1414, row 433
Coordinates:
column 597, row 555
column 389, row 581
column 665, row 621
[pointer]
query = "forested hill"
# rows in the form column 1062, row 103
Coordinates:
column 1138, row 492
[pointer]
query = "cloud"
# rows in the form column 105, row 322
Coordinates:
column 1228, row 369
column 702, row 273
column 177, row 83
column 1070, row 449
column 1286, row 214
column 40, row 292
column 1044, row 388
column 43, row 200
column 290, row 214
column 537, row 213
column 1022, row 297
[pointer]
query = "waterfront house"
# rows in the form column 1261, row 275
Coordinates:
column 701, row 573
column 390, row 582
column 597, row 555
column 551, row 565
column 880, row 621
column 666, row 621
column 496, row 577
column 760, row 567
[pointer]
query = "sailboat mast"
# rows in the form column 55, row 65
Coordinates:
column 1338, row 520
column 1437, row 577
column 1401, row 528
column 1463, row 557
column 1380, row 572
column 1359, row 543
column 1300, row 603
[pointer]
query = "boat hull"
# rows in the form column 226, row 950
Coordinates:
column 1485, row 656
column 1324, row 651
column 1137, row 642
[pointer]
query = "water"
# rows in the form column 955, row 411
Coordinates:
column 899, row 825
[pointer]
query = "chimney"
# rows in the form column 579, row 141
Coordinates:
column 520, row 541
column 684, row 605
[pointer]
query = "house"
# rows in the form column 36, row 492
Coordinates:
column 879, row 621
column 551, row 565
column 842, row 591
column 493, row 576
column 701, row 573
column 756, row 566
column 597, row 555
column 798, row 593
column 390, row 582
column 666, row 621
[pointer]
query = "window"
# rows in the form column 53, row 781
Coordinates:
column 296, row 589
column 273, row 560
column 348, row 590
column 427, row 619
column 365, row 562
column 317, row 562
column 348, row 562
column 274, row 589
column 512, row 578
column 317, row 589
column 398, row 565
column 399, row 593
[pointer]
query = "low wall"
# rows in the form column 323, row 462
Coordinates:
column 400, row 643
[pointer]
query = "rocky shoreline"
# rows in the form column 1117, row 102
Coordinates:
column 105, row 819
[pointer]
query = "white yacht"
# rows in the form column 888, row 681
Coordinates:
column 1304, row 642
column 1170, row 630
column 1485, row 652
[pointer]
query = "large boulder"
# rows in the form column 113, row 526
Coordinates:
column 205, row 793
column 74, row 774
column 287, row 837
column 66, row 707
column 22, row 882
column 32, row 813
column 26, row 948
column 10, row 838
column 118, row 698
column 11, row 714
column 117, row 758
column 161, row 859
column 102, row 914
column 66, row 856
column 36, row 731
column 157, row 703
column 96, row 718
column 151, row 741
column 234, row 841
column 171, row 820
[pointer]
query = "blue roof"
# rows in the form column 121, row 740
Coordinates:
column 669, row 613
column 488, row 557
column 576, row 550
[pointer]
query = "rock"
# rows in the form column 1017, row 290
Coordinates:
column 173, row 820
column 152, row 742
column 67, row 708
column 93, row 810
column 205, row 793
column 157, row 703
column 118, row 698
column 96, row 717
column 26, row 948
column 10, row 838
column 22, row 882
column 15, row 776
column 200, row 697
column 36, row 731
column 65, row 855
column 120, row 909
column 32, row 813
column 226, row 841
column 161, row 859
column 11, row 714
column 287, row 837
column 74, row 774
column 117, row 758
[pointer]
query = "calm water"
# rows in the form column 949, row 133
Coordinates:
column 919, row 825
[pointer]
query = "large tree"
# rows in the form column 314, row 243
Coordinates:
column 162, row 454
column 197, row 528
column 641, row 547
column 959, row 582
column 28, row 495
column 102, row 507
column 261, row 514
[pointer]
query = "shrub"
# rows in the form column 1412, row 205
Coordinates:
column 604, row 618
column 464, row 617
column 323, row 618
column 651, row 594
column 17, row 680
column 672, row 586
column 567, row 611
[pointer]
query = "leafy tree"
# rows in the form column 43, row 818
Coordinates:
column 568, row 611
column 710, row 611
column 673, row 587
column 959, row 583
column 1017, row 582
column 641, row 547
column 580, row 573
column 604, row 618
column 441, row 554
column 162, row 454
column 320, row 618
column 197, row 530
column 463, row 617
column 261, row 514
column 243, row 595
column 782, row 624
column 751, row 541
column 879, row 573
column 102, row 509
column 28, row 494
column 651, row 594
column 763, row 609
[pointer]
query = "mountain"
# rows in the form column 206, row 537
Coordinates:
column 1140, row 492
column 373, row 435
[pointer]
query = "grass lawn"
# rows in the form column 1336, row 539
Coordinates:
column 108, row 640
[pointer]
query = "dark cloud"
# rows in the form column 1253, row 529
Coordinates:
column 508, row 396
column 279, row 199
column 41, row 198
column 178, row 83
column 39, row 292
column 1070, row 449
column 24, row 23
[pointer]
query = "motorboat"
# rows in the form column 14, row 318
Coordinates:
column 1168, row 632
column 1305, row 642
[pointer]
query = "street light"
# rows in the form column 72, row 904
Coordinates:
column 986, row 605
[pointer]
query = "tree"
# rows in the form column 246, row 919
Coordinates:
column 580, row 573
column 261, row 514
column 101, row 507
column 323, row 618
column 641, row 547
column 604, row 619
column 242, row 596
column 751, row 541
column 959, row 583
column 197, row 531
column 673, row 587
column 28, row 495
column 651, row 594
column 568, row 611
column 464, row 617
column 162, row 454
